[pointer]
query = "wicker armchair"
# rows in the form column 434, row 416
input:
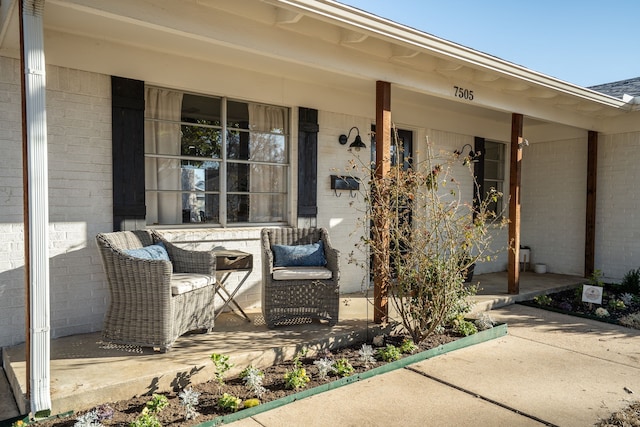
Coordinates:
column 293, row 295
column 153, row 302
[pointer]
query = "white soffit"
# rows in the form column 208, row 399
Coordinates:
column 460, row 56
column 325, row 41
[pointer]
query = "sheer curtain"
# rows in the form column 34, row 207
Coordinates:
column 163, row 138
column 264, row 145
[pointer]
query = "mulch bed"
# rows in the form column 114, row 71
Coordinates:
column 618, row 306
column 126, row 411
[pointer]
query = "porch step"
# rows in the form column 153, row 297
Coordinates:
column 8, row 407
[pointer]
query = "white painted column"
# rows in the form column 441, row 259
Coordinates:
column 37, row 204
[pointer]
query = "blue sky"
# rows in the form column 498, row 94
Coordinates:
column 586, row 42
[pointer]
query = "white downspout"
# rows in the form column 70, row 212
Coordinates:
column 36, row 205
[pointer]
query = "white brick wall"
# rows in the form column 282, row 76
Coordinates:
column 618, row 206
column 554, row 183
column 340, row 215
column 12, row 292
column 79, row 143
column 79, row 120
column 448, row 142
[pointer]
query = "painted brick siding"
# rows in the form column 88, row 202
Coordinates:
column 12, row 325
column 449, row 142
column 341, row 215
column 79, row 145
column 618, row 205
column 554, row 182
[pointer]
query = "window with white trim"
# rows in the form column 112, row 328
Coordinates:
column 494, row 172
column 214, row 160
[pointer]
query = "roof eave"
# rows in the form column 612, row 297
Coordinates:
column 406, row 36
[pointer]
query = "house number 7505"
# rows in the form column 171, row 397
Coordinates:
column 463, row 93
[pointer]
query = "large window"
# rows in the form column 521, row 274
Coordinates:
column 214, row 160
column 494, row 172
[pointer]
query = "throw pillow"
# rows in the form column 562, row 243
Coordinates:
column 155, row 252
column 311, row 255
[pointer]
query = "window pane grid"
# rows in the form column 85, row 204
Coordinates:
column 222, row 157
column 494, row 172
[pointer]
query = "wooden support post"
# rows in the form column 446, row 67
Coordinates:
column 383, row 165
column 514, row 203
column 590, row 232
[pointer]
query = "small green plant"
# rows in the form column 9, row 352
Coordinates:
column 228, row 402
column 146, row 419
column 389, row 353
column 250, row 403
column 408, row 347
column 464, row 327
column 627, row 298
column 252, row 378
column 596, row 278
column 189, row 399
column 149, row 415
column 297, row 378
column 157, row 403
column 222, row 364
column 543, row 300
column 602, row 312
column 325, row 367
column 484, row 322
column 367, row 355
column 616, row 304
column 631, row 282
column 343, row 367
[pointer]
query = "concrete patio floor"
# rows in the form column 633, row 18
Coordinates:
column 86, row 371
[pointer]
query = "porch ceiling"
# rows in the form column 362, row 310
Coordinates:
column 317, row 41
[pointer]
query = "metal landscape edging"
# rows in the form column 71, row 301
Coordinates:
column 496, row 332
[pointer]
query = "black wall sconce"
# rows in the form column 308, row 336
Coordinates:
column 357, row 143
column 473, row 156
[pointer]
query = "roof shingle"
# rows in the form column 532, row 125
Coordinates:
column 622, row 87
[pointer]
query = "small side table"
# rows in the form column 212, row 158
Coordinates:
column 228, row 262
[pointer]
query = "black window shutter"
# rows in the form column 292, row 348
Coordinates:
column 307, row 162
column 478, row 172
column 128, row 153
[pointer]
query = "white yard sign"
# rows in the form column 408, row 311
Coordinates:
column 592, row 294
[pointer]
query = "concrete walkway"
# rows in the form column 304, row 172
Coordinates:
column 550, row 369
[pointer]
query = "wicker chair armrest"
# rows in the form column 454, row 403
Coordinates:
column 333, row 261
column 188, row 261
column 268, row 254
column 331, row 254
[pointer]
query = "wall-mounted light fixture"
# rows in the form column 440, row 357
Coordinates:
column 357, row 143
column 473, row 156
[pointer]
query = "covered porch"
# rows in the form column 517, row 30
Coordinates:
column 86, row 371
column 304, row 56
